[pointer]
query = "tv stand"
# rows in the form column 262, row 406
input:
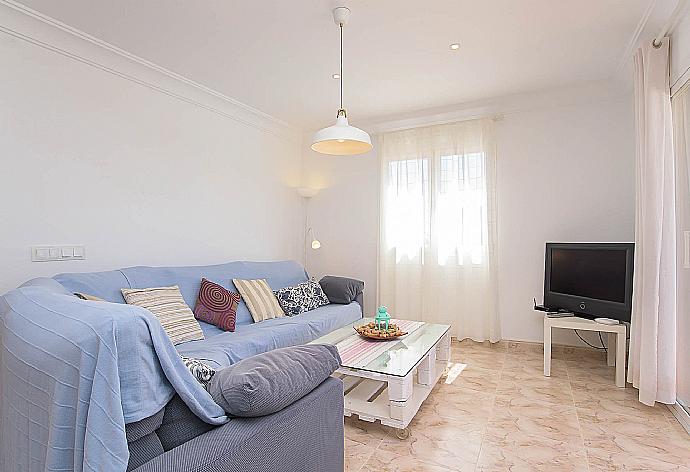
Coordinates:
column 616, row 337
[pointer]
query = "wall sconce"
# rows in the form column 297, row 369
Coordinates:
column 315, row 243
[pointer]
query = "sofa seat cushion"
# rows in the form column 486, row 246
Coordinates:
column 266, row 383
column 143, row 450
column 227, row 348
column 179, row 424
column 142, row 441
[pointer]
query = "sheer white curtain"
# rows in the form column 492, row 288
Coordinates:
column 437, row 259
column 681, row 137
column 652, row 365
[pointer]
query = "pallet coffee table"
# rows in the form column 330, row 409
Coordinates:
column 389, row 380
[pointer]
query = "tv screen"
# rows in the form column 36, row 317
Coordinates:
column 591, row 273
column 591, row 279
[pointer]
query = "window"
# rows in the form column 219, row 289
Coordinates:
column 447, row 193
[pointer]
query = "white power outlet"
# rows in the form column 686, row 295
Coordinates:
column 57, row 253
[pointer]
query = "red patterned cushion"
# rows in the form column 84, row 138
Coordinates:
column 216, row 305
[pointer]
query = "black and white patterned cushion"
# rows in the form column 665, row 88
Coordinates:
column 201, row 371
column 302, row 297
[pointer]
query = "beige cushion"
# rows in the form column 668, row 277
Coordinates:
column 167, row 304
column 262, row 303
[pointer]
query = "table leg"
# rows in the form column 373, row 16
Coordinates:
column 399, row 391
column 620, row 359
column 426, row 372
column 547, row 349
column 443, row 348
column 611, row 352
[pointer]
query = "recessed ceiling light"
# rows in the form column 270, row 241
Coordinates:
column 336, row 76
column 454, row 46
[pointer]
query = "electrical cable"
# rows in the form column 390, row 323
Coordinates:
column 602, row 348
column 602, row 343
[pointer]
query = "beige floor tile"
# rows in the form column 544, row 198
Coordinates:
column 520, row 368
column 603, row 461
column 495, row 411
column 386, row 461
column 361, row 440
column 589, row 394
column 481, row 358
column 517, row 451
column 631, row 411
column 540, row 388
column 634, row 452
column 584, row 372
column 356, row 454
column 533, row 417
column 574, row 353
column 463, row 405
column 602, row 426
column 442, row 442
column 470, row 377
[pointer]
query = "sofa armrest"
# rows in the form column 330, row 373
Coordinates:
column 343, row 290
column 306, row 436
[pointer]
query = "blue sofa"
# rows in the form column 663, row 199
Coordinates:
column 98, row 386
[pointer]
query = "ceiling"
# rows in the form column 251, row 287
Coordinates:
column 279, row 56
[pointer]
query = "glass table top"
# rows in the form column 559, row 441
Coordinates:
column 402, row 354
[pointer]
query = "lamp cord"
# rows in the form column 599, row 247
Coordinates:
column 341, row 66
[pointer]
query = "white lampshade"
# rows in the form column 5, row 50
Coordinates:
column 315, row 244
column 341, row 139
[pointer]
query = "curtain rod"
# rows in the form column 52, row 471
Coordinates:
column 670, row 23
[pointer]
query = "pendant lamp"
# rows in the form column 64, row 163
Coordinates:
column 341, row 139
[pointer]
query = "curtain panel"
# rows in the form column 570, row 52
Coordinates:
column 437, row 248
column 680, row 104
column 652, row 364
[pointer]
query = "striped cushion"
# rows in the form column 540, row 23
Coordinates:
column 262, row 303
column 167, row 304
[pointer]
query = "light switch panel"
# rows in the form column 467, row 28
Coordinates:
column 57, row 253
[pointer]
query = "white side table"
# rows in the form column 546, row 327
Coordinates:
column 616, row 337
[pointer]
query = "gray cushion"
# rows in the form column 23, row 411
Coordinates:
column 266, row 383
column 341, row 289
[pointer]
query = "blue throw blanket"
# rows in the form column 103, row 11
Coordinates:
column 73, row 372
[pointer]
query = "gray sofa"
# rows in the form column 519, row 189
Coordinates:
column 169, row 420
column 306, row 436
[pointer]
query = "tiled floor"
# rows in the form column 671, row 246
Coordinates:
column 501, row 414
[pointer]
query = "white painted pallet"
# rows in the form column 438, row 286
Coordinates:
column 392, row 400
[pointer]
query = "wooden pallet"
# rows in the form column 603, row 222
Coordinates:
column 390, row 399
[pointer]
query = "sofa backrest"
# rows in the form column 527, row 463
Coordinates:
column 107, row 285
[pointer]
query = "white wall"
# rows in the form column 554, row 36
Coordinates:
column 565, row 173
column 680, row 50
column 344, row 215
column 137, row 175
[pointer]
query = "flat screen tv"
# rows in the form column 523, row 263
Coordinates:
column 590, row 279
